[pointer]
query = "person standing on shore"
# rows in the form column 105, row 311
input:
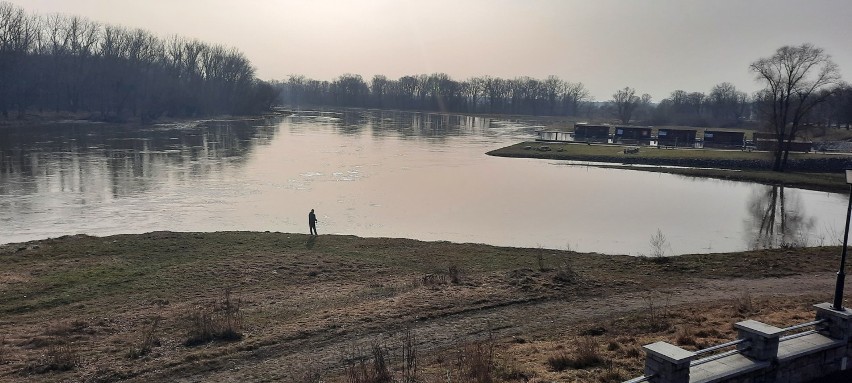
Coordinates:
column 312, row 222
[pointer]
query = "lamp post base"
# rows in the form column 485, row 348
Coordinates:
column 838, row 291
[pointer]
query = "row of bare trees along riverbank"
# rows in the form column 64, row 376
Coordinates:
column 59, row 63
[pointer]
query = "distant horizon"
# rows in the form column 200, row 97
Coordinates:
column 655, row 47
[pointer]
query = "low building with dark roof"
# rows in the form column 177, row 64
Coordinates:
column 723, row 139
column 676, row 137
column 632, row 135
column 591, row 133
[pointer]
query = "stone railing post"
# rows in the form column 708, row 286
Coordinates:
column 838, row 324
column 667, row 363
column 760, row 340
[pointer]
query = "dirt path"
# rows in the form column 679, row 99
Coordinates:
column 289, row 359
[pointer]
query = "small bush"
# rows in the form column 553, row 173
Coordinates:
column 632, row 352
column 374, row 365
column 586, row 354
column 708, row 332
column 476, row 362
column 613, row 346
column 656, row 315
column 560, row 362
column 370, row 370
column 224, row 321
column 409, row 357
column 454, row 273
column 684, row 336
column 659, row 246
column 62, row 356
column 743, row 304
column 566, row 274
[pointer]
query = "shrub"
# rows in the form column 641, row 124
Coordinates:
column 476, row 362
column 613, row 346
column 632, row 352
column 364, row 370
column 656, row 315
column 62, row 356
column 659, row 246
column 586, row 354
column 685, row 336
column 375, row 366
column 744, row 304
column 224, row 321
column 454, row 273
column 559, row 362
column 409, row 357
column 566, row 274
column 542, row 266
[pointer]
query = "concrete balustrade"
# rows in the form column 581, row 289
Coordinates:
column 762, row 354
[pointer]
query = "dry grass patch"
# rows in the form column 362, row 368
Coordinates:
column 62, row 356
column 223, row 321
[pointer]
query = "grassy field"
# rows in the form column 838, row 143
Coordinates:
column 734, row 165
column 288, row 307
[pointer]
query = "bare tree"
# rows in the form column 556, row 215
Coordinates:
column 553, row 87
column 626, row 101
column 794, row 77
column 475, row 90
column 575, row 94
column 727, row 104
column 379, row 87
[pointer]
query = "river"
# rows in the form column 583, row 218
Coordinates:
column 380, row 174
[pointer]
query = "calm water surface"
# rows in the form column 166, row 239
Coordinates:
column 379, row 174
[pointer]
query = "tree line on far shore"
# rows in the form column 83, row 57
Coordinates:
column 62, row 63
column 723, row 106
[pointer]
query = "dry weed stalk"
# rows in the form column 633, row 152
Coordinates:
column 223, row 322
column 61, row 356
column 148, row 342
column 372, row 369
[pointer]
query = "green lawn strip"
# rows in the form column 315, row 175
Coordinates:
column 828, row 182
column 617, row 152
column 722, row 164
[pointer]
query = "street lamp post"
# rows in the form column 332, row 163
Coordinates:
column 841, row 274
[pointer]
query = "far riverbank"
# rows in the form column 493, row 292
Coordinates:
column 821, row 172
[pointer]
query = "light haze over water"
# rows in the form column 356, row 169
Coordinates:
column 376, row 174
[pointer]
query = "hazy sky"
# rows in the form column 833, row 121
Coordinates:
column 655, row 46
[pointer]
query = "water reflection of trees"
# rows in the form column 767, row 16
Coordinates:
column 776, row 219
column 85, row 157
column 403, row 124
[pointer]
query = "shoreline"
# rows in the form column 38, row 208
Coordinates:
column 819, row 172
